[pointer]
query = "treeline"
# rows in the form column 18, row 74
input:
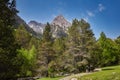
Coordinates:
column 17, row 54
column 24, row 55
column 72, row 54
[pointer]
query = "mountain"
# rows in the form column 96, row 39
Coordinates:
column 61, row 21
column 59, row 26
column 37, row 27
column 20, row 21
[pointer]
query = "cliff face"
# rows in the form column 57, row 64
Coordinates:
column 59, row 26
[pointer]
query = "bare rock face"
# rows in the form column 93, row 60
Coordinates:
column 59, row 26
column 61, row 21
column 37, row 27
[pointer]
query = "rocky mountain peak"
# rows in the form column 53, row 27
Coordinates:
column 60, row 21
column 59, row 26
column 37, row 27
column 59, row 17
column 35, row 23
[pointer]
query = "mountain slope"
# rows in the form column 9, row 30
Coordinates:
column 61, row 21
column 20, row 21
column 37, row 27
column 59, row 26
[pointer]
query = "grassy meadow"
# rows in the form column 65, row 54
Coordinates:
column 107, row 73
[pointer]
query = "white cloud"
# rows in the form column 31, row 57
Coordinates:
column 101, row 7
column 90, row 13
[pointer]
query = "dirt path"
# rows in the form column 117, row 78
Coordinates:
column 73, row 77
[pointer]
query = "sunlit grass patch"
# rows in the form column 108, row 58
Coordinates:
column 107, row 73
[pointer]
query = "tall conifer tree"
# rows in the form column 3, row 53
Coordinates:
column 8, row 46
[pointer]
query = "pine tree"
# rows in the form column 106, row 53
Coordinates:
column 117, row 41
column 46, row 53
column 80, row 42
column 56, row 66
column 59, row 45
column 7, row 11
column 87, row 42
column 22, row 37
column 8, row 46
column 27, row 60
column 109, row 50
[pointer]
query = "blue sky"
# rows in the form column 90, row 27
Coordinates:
column 103, row 15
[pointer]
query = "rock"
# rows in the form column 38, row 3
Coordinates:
column 59, row 26
column 74, row 79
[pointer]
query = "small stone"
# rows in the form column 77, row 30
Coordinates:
column 74, row 79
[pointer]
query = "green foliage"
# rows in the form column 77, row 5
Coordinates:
column 7, row 11
column 80, row 42
column 28, row 54
column 54, row 57
column 52, row 69
column 117, row 41
column 8, row 52
column 34, row 41
column 109, row 52
column 8, row 45
column 47, row 33
column 46, row 53
column 27, row 61
column 22, row 37
column 108, row 73
column 59, row 45
column 96, row 55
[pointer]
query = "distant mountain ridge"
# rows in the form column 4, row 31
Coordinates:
column 37, row 27
column 20, row 21
column 61, row 21
column 59, row 26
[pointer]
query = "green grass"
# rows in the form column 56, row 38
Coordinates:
column 57, row 78
column 107, row 73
